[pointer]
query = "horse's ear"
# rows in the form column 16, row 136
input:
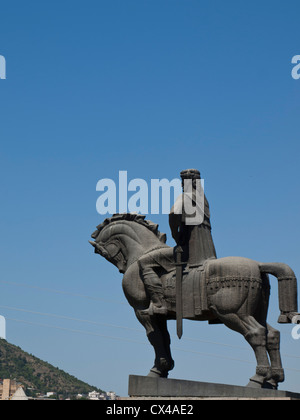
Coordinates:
column 163, row 238
column 98, row 249
column 95, row 234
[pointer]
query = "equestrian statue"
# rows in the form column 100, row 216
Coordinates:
column 190, row 282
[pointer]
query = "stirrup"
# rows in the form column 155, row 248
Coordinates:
column 155, row 310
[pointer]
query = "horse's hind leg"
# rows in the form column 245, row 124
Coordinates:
column 273, row 348
column 257, row 338
column 256, row 335
column 273, row 337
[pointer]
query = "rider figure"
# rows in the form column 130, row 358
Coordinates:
column 195, row 240
column 192, row 232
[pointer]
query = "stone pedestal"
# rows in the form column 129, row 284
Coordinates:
column 144, row 387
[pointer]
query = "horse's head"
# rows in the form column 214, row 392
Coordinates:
column 123, row 238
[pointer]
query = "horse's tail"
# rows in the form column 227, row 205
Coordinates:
column 287, row 290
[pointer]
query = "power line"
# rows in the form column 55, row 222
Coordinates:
column 117, row 338
column 75, row 331
column 214, row 355
column 61, row 292
column 102, row 324
column 113, row 326
column 43, row 289
column 218, row 344
column 134, row 341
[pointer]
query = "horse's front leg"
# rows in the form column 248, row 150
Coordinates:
column 158, row 336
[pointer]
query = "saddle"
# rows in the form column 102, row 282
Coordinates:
column 194, row 292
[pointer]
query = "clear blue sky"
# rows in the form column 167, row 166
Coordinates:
column 151, row 87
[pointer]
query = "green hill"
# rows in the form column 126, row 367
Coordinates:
column 38, row 376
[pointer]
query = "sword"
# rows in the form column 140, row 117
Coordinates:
column 179, row 270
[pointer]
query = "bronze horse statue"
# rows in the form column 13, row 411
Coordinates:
column 234, row 291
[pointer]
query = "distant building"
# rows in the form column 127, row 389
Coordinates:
column 7, row 389
column 50, row 394
column 11, row 390
column 96, row 396
column 19, row 395
column 111, row 395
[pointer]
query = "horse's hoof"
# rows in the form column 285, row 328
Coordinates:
column 270, row 385
column 155, row 373
column 254, row 384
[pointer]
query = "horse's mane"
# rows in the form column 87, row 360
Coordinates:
column 130, row 217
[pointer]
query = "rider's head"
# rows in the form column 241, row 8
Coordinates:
column 192, row 174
